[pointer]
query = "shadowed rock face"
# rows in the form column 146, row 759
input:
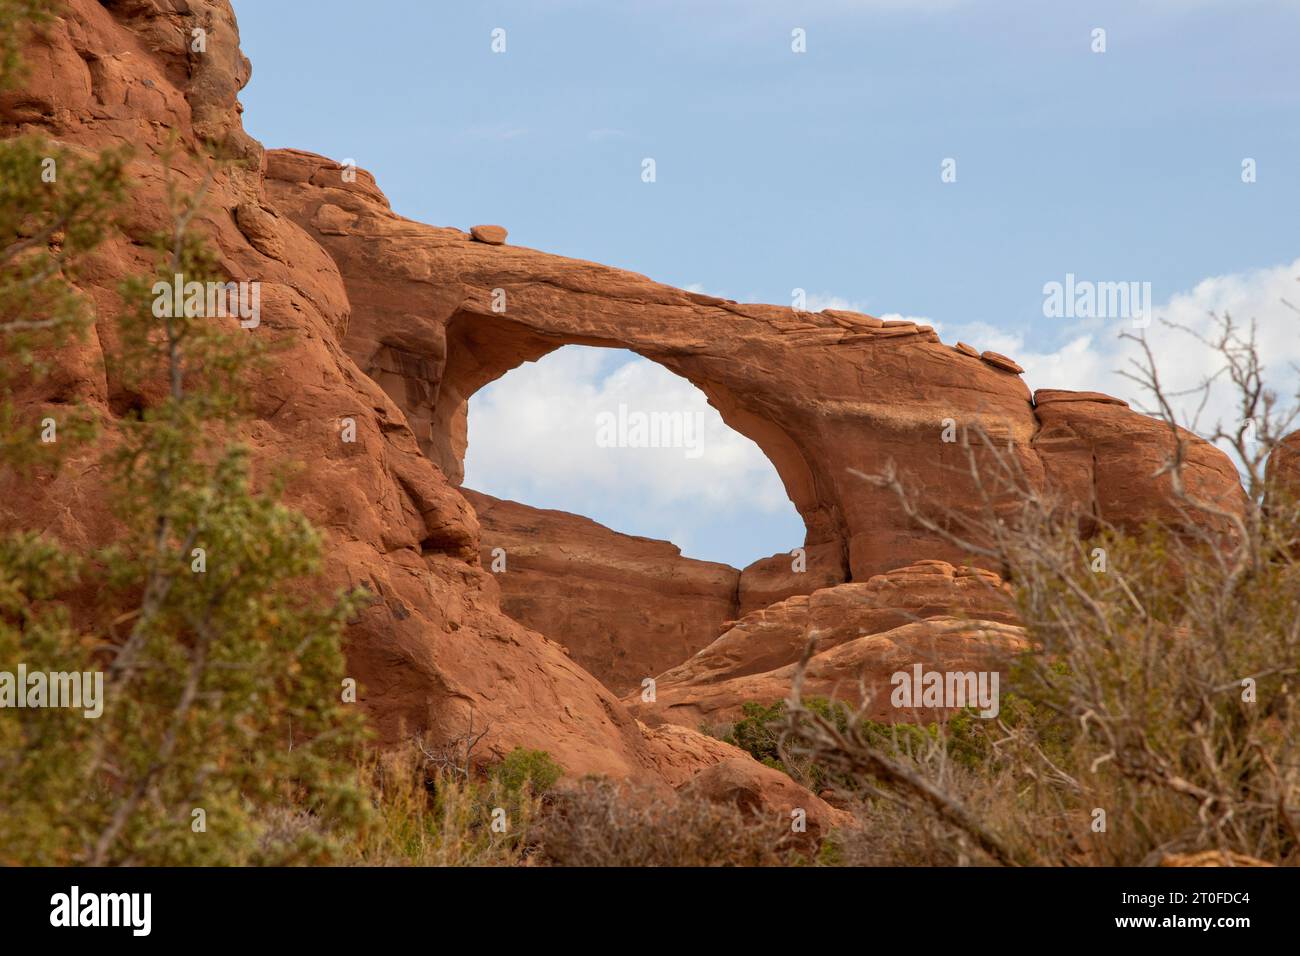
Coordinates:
column 395, row 324
column 625, row 608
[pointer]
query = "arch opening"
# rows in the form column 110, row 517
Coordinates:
column 608, row 435
column 617, row 509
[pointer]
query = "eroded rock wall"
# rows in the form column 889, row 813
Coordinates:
column 624, row 607
column 930, row 613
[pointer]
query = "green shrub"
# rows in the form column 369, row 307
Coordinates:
column 531, row 769
column 758, row 733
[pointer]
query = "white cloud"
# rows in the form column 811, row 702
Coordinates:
column 816, row 301
column 533, row 434
column 983, row 336
column 1094, row 354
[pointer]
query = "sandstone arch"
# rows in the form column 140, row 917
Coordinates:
column 819, row 394
column 354, row 295
column 483, row 348
column 822, row 394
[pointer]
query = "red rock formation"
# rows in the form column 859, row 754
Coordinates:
column 818, row 398
column 827, row 396
column 1104, row 458
column 776, row 635
column 626, row 608
column 760, row 790
column 857, row 672
column 395, row 324
column 1282, row 472
column 773, row 579
column 492, row 235
column 930, row 613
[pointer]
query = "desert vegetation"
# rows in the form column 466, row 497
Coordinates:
column 1156, row 714
column 219, row 697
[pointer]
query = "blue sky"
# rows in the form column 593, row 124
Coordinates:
column 821, row 170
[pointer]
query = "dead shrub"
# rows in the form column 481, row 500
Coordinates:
column 602, row 823
column 1157, row 714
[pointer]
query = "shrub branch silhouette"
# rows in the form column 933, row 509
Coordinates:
column 1161, row 688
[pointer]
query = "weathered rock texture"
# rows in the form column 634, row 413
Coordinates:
column 827, row 396
column 1101, row 456
column 760, row 790
column 395, row 324
column 930, row 613
column 1283, row 471
column 857, row 672
column 773, row 579
column 626, row 608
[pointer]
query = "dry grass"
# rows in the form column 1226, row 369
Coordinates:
column 599, row 823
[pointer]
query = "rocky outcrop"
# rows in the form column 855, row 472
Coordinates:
column 391, row 325
column 761, row 791
column 492, row 235
column 1282, row 472
column 933, row 614
column 802, row 571
column 625, row 608
column 775, row 636
column 1101, row 457
column 858, row 672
